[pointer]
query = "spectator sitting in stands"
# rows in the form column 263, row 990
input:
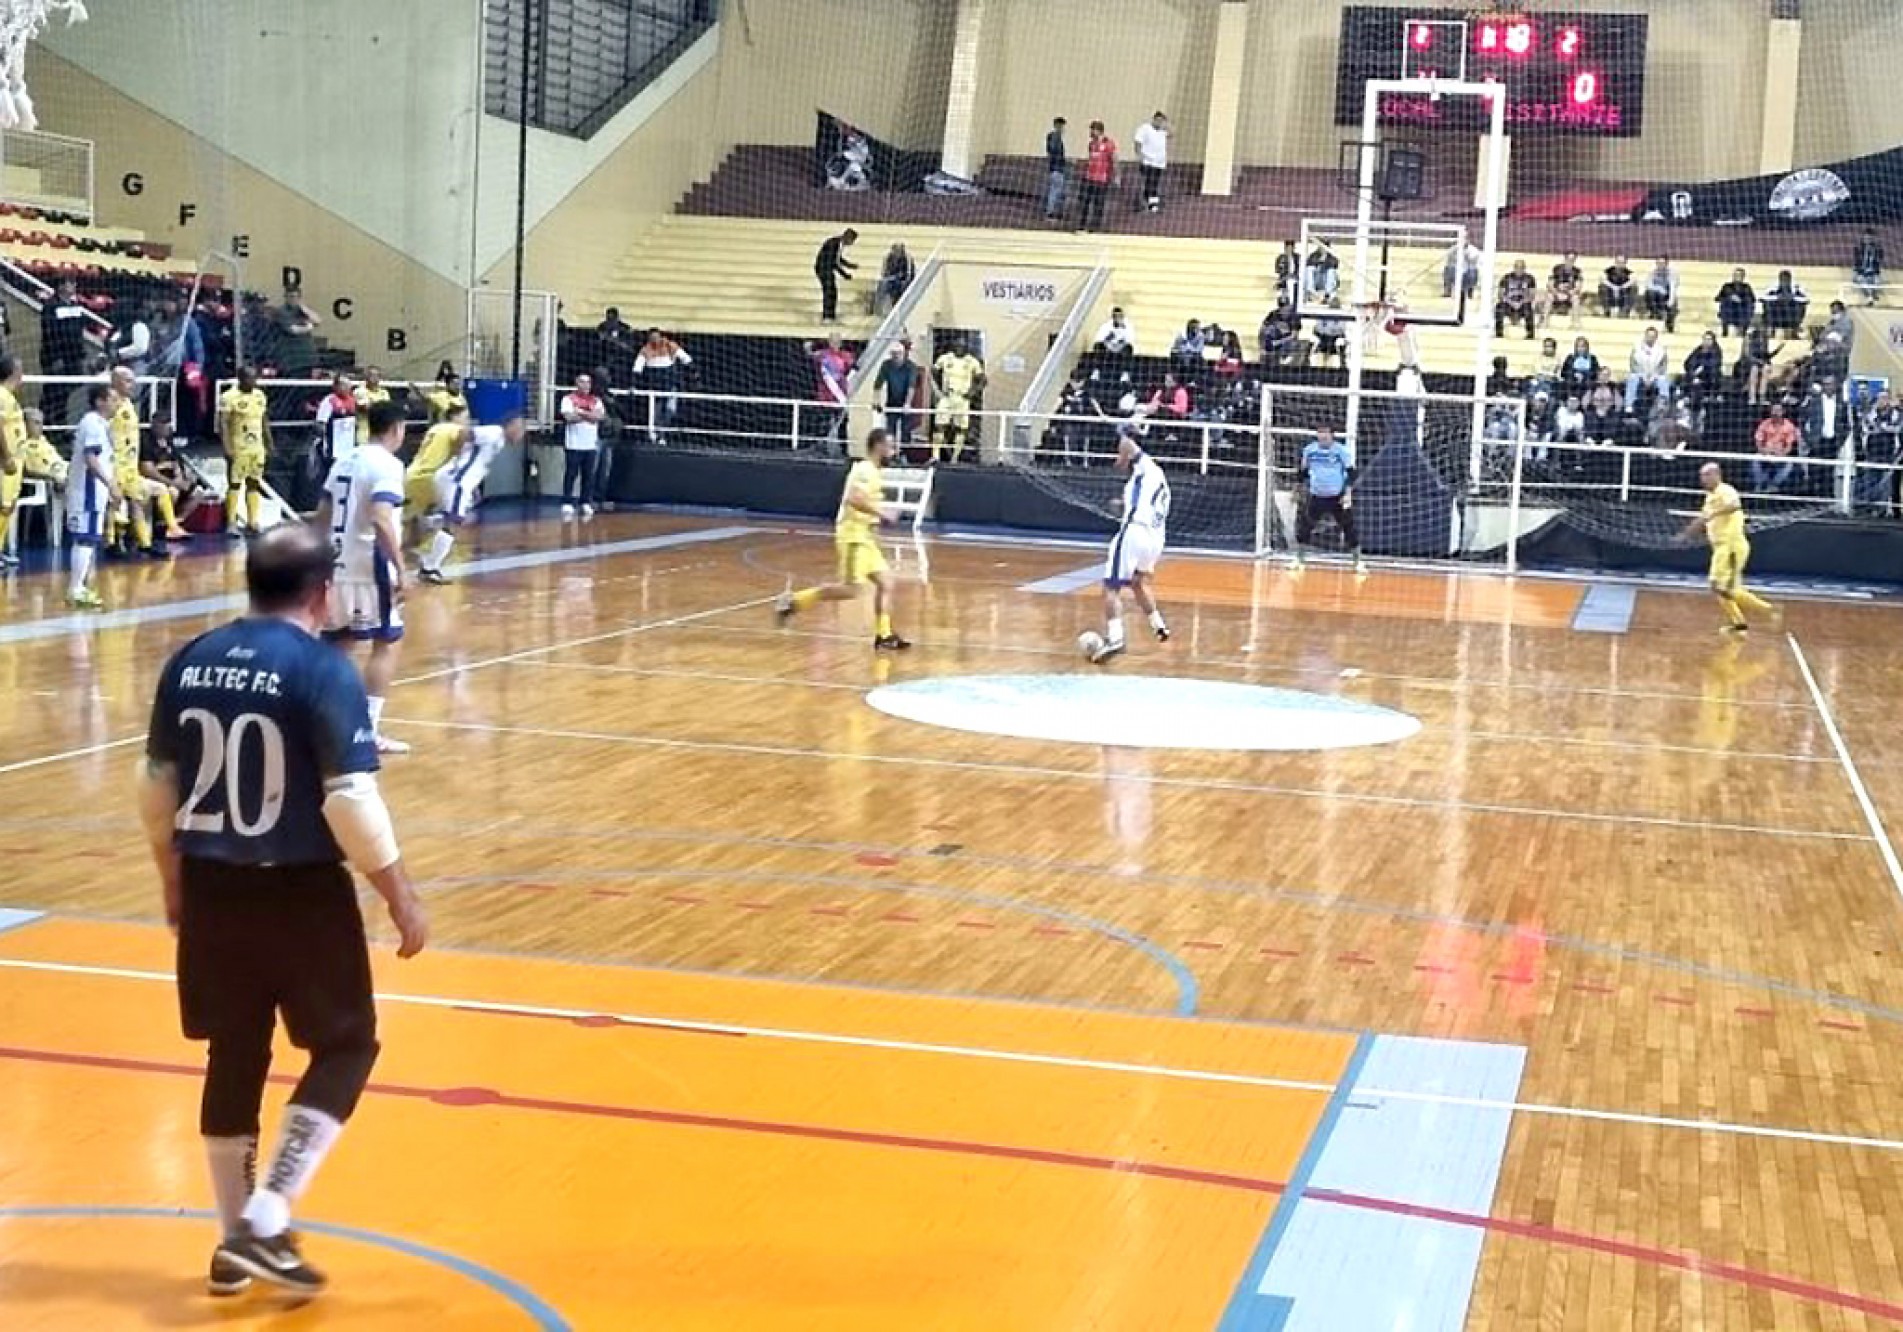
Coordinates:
column 1866, row 266
column 894, row 278
column 1705, row 368
column 1171, row 402
column 1775, row 441
column 1661, row 294
column 1186, row 353
column 1500, row 382
column 1569, row 421
column 1323, row 272
column 1331, row 333
column 1549, row 369
column 1786, row 304
column 1562, row 290
column 1515, row 304
column 1754, row 364
column 1288, row 267
column 1461, row 265
column 1842, row 325
column 1541, row 420
column 1737, row 303
column 1617, row 291
column 1670, row 427
column 1581, row 369
column 1646, row 368
column 1605, row 415
column 1825, row 424
column 1229, row 364
column 1116, row 336
column 1281, row 336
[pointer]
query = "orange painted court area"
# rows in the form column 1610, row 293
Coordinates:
column 808, row 1156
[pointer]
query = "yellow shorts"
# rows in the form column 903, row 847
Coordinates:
column 10, row 483
column 247, row 464
column 419, row 494
column 1727, row 564
column 954, row 411
column 859, row 560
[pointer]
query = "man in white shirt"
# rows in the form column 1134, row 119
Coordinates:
column 459, row 487
column 1647, row 366
column 91, row 492
column 1116, row 336
column 582, row 414
column 659, row 367
column 1152, row 139
column 1137, row 547
column 337, row 421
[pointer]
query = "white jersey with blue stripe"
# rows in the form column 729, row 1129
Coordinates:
column 1146, row 495
column 356, row 484
column 476, row 455
column 87, row 493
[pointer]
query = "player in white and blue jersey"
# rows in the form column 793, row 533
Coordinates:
column 459, row 487
column 1328, row 477
column 258, row 785
column 1138, row 545
column 363, row 495
column 91, row 492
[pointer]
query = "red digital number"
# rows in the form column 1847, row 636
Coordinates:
column 1585, row 88
column 1489, row 38
column 1421, row 35
column 1519, row 38
column 1568, row 45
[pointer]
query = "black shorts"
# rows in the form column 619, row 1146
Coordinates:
column 254, row 942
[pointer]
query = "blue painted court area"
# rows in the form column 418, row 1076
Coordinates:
column 12, row 919
column 1329, row 1267
column 1606, row 609
column 1065, row 583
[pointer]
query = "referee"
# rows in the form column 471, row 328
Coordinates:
column 1328, row 474
column 258, row 784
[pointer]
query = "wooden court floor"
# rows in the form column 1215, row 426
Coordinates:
column 752, row 1006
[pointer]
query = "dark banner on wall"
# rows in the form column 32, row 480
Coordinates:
column 1863, row 189
column 847, row 158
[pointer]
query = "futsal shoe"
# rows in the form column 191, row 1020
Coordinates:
column 568, row 511
column 1735, row 630
column 275, row 1260
column 434, row 577
column 890, row 643
column 1105, row 653
column 389, row 745
column 1162, row 633
column 225, row 1277
column 177, row 534
column 86, row 599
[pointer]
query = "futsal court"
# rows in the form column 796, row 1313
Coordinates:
column 1543, row 958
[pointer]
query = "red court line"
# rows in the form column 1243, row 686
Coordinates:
column 1675, row 1259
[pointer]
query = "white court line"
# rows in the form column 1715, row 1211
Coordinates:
column 64, row 754
column 994, row 1055
column 1187, row 783
column 1870, row 815
column 1234, row 663
column 1512, row 737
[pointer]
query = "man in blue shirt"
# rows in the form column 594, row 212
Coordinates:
column 1328, row 476
column 259, row 782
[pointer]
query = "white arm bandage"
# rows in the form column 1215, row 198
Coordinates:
column 158, row 802
column 359, row 820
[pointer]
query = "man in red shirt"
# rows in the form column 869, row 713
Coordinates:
column 1100, row 176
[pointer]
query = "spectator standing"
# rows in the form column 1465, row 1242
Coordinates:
column 895, row 276
column 1775, row 440
column 1116, row 336
column 832, row 365
column 1882, row 444
column 297, row 335
column 1737, row 303
column 1288, row 267
column 1280, row 335
column 582, row 414
column 829, row 265
column 1825, row 422
column 132, row 343
column 336, row 425
column 1661, row 294
column 660, row 369
column 1562, row 290
column 1152, row 140
column 176, row 342
column 615, row 344
column 1866, row 266
column 258, row 332
column 1786, row 304
column 447, row 395
column 1461, row 266
column 63, row 323
column 1515, row 305
column 1057, row 168
column 960, row 379
column 1617, row 290
column 898, row 383
column 1645, row 368
column 1322, row 272
column 1100, row 176
column 1069, row 428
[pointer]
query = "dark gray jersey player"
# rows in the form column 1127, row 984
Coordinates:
column 258, row 785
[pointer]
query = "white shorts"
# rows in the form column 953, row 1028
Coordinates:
column 456, row 496
column 1136, row 550
column 365, row 609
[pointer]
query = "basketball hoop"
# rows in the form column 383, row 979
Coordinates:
column 20, row 22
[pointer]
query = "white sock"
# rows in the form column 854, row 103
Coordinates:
column 1156, row 619
column 1113, row 631
column 438, row 550
column 303, row 1141
column 82, row 569
column 234, row 1174
column 376, row 712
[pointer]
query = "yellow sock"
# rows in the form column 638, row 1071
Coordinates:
column 168, row 511
column 1734, row 614
column 141, row 527
column 806, row 598
column 1752, row 602
column 234, row 506
column 885, row 625
column 251, row 501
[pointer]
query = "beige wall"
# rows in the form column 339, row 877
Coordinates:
column 339, row 261
column 1848, row 67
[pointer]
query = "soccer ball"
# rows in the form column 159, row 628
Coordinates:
column 1090, row 643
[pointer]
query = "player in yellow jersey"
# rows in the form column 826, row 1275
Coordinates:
column 860, row 559
column 244, row 429
column 369, row 393
column 959, row 376
column 44, row 461
column 447, row 396
column 1722, row 521
column 12, row 453
column 140, row 492
column 439, row 445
